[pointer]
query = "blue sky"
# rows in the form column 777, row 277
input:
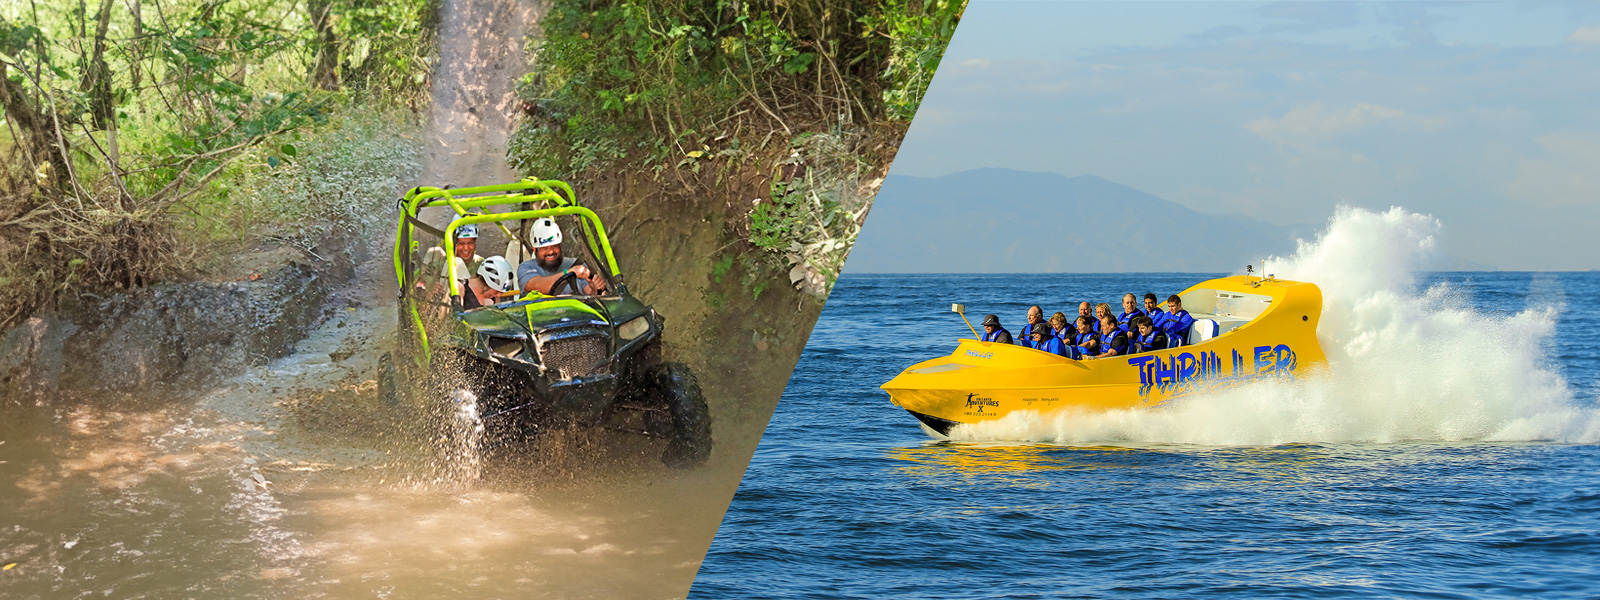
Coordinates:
column 1485, row 115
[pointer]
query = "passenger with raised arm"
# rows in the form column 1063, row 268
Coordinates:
column 1177, row 322
column 1149, row 337
column 1130, row 309
column 1152, row 309
column 1085, row 339
column 1113, row 342
column 993, row 332
column 1035, row 321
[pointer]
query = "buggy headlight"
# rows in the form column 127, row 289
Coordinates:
column 507, row 347
column 635, row 328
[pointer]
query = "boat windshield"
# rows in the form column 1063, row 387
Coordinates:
column 1229, row 306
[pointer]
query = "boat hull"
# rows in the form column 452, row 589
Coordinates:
column 986, row 381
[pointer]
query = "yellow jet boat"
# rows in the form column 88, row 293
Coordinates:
column 1245, row 327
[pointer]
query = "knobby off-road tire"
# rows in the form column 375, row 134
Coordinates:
column 674, row 385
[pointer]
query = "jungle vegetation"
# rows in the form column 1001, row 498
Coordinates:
column 816, row 92
column 139, row 138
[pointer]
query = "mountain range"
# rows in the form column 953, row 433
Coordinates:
column 1002, row 221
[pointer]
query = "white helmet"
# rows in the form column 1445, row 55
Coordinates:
column 497, row 272
column 468, row 231
column 545, row 232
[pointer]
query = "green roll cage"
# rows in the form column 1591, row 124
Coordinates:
column 470, row 206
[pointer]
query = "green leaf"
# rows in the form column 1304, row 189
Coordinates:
column 272, row 161
column 289, row 150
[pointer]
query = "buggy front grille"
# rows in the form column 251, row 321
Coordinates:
column 571, row 357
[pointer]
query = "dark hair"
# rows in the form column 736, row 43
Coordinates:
column 1150, row 296
column 1110, row 318
column 1086, row 320
column 1175, row 298
column 1142, row 321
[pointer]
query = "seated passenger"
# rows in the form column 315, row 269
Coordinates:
column 1153, row 310
column 1130, row 310
column 993, row 332
column 1035, row 320
column 493, row 281
column 1177, row 322
column 1045, row 342
column 1113, row 342
column 1062, row 330
column 1149, row 337
column 1085, row 339
column 466, row 255
column 548, row 265
column 1084, row 310
column 1101, row 311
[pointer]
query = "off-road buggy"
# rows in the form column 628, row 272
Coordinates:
column 532, row 361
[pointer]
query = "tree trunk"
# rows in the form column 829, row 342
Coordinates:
column 38, row 133
column 325, row 69
column 97, row 78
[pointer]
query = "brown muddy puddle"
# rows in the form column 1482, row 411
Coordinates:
column 293, row 481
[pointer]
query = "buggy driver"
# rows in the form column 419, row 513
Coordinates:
column 548, row 266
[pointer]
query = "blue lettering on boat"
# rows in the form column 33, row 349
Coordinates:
column 1187, row 369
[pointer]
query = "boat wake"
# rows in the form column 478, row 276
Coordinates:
column 1403, row 364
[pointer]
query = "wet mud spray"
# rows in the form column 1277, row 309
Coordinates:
column 1405, row 364
column 292, row 479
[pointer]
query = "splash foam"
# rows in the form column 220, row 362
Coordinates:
column 1404, row 364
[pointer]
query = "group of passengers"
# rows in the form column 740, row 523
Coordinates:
column 486, row 281
column 1100, row 334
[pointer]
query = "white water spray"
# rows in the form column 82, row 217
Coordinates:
column 1403, row 364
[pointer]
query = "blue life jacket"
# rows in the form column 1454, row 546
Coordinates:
column 991, row 337
column 1026, row 337
column 1108, row 342
column 1157, row 317
column 1177, row 325
column 1081, row 341
column 1055, row 346
column 1157, row 340
column 1125, row 320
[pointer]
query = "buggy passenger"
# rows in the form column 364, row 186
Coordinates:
column 549, row 266
column 490, row 284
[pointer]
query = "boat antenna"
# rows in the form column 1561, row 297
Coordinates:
column 961, row 309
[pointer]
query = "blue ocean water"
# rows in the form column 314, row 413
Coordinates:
column 1452, row 455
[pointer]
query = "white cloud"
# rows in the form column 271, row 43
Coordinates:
column 1565, row 176
column 1588, row 34
column 1315, row 119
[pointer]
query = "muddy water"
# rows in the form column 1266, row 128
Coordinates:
column 292, row 480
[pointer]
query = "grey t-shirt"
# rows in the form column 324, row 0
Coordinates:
column 530, row 269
